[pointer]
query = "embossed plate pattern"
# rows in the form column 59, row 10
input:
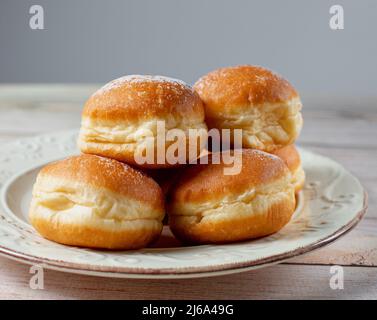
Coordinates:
column 332, row 202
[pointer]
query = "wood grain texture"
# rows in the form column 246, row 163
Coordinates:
column 343, row 129
column 276, row 282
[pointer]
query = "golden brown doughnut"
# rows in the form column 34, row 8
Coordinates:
column 261, row 103
column 119, row 117
column 292, row 159
column 96, row 202
column 207, row 206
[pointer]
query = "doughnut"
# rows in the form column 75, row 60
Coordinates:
column 120, row 120
column 207, row 206
column 291, row 157
column 264, row 105
column 95, row 202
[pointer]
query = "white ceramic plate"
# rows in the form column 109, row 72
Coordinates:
column 333, row 201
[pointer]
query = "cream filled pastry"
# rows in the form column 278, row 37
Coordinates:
column 264, row 105
column 96, row 202
column 291, row 157
column 207, row 206
column 130, row 114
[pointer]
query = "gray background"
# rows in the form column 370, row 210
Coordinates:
column 95, row 41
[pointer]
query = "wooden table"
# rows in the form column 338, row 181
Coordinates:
column 344, row 129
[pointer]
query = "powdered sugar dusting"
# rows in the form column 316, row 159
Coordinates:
column 110, row 166
column 136, row 78
column 109, row 173
column 263, row 155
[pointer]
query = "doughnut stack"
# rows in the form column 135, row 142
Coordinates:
column 105, row 199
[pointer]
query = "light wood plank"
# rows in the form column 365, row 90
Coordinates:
column 276, row 282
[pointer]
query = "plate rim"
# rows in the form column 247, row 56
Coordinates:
column 191, row 272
